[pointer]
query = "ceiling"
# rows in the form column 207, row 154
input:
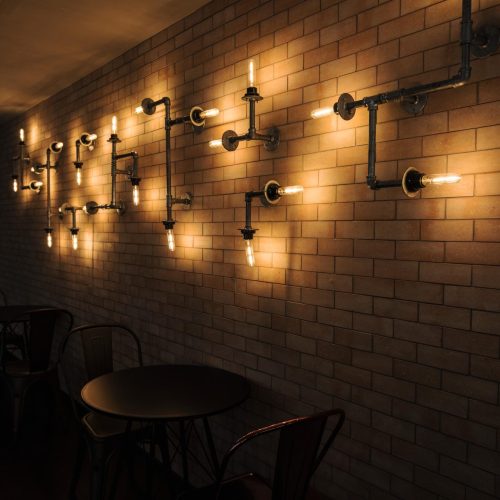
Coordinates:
column 46, row 46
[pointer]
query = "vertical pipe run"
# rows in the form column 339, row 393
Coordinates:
column 47, row 166
column 168, row 165
column 371, row 178
column 252, row 129
column 114, row 140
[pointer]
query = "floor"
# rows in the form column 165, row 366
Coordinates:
column 39, row 465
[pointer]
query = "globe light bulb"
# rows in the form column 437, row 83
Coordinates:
column 21, row 134
column 138, row 110
column 249, row 253
column 74, row 241
column 321, row 112
column 170, row 239
column 216, row 143
column 79, row 176
column 59, row 145
column 49, row 240
column 14, row 185
column 114, row 125
column 135, row 195
column 209, row 113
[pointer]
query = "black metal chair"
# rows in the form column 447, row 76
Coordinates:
column 87, row 352
column 42, row 325
column 299, row 453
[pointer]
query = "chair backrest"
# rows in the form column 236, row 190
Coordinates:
column 301, row 449
column 92, row 350
column 43, row 325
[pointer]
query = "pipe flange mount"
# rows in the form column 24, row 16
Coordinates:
column 227, row 141
column 342, row 108
column 274, row 142
column 414, row 104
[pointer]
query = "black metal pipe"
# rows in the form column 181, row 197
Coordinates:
column 460, row 78
column 168, row 165
column 371, row 178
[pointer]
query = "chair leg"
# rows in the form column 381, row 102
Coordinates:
column 80, row 452
column 99, row 464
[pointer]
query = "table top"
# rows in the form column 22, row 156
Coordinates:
column 165, row 392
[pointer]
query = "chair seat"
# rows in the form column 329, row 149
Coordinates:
column 21, row 368
column 102, row 427
column 245, row 487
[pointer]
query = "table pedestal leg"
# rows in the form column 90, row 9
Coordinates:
column 184, row 452
column 211, row 446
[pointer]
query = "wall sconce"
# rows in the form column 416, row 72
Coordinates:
column 20, row 163
column 230, row 139
column 413, row 101
column 56, row 148
column 66, row 208
column 87, row 140
column 270, row 195
column 92, row 207
column 196, row 119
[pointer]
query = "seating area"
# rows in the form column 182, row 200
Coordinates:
column 84, row 395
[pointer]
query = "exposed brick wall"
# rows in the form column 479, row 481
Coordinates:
column 384, row 306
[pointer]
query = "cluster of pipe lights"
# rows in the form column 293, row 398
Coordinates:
column 74, row 228
column 270, row 195
column 87, row 140
column 196, row 118
column 230, row 139
column 55, row 148
column 21, row 161
column 414, row 99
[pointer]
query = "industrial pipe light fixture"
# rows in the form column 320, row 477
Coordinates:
column 66, row 208
column 55, row 148
column 20, row 163
column 414, row 100
column 196, row 119
column 87, row 140
column 230, row 139
column 270, row 195
column 92, row 207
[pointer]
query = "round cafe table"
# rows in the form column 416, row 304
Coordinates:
column 160, row 394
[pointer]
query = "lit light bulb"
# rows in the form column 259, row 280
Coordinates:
column 249, row 253
column 79, row 176
column 135, row 195
column 209, row 113
column 138, row 110
column 170, row 239
column 114, row 125
column 59, row 145
column 216, row 143
column 49, row 240
column 439, row 179
column 14, row 185
column 251, row 73
column 21, row 134
column 74, row 241
column 321, row 112
column 290, row 190
column 92, row 137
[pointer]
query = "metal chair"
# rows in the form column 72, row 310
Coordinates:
column 87, row 352
column 36, row 366
column 300, row 451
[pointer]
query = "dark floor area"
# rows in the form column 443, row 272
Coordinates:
column 39, row 465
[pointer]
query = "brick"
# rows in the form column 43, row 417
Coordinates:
column 392, row 308
column 377, row 55
column 468, row 430
column 455, row 274
column 473, row 253
column 401, row 26
column 475, row 298
column 480, row 115
column 487, row 184
column 423, row 125
column 453, row 317
column 424, row 40
column 488, row 137
column 452, row 142
column 420, row 250
column 397, row 230
column 474, row 343
column 470, row 387
column 487, row 368
column 442, row 401
column 447, row 230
